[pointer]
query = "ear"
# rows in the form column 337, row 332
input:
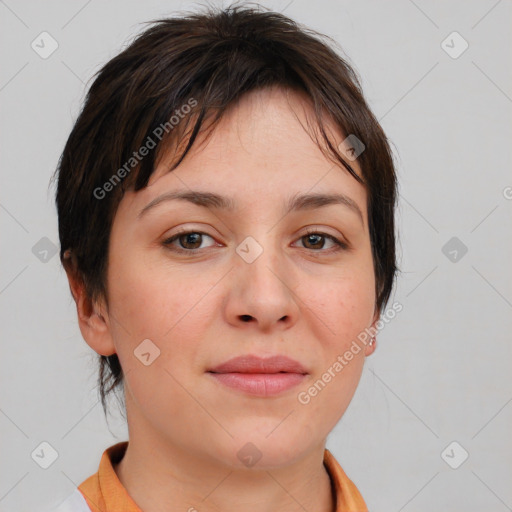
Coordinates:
column 370, row 348
column 93, row 318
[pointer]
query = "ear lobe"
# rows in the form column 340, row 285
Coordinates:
column 372, row 345
column 94, row 325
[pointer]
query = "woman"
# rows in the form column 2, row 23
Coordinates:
column 226, row 216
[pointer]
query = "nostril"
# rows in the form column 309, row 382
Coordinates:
column 246, row 318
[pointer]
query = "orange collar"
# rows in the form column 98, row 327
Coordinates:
column 104, row 492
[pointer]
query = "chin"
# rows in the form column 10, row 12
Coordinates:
column 261, row 447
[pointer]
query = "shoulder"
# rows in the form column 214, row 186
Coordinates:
column 75, row 502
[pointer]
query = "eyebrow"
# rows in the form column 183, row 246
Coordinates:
column 298, row 202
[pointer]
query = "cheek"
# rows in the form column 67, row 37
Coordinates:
column 153, row 295
column 160, row 307
column 344, row 306
column 345, row 309
column 157, row 303
column 340, row 311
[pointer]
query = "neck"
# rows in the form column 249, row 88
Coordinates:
column 193, row 483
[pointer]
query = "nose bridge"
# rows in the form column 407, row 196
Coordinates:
column 262, row 260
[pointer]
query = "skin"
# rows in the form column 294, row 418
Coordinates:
column 305, row 300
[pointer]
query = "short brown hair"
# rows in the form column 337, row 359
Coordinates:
column 213, row 57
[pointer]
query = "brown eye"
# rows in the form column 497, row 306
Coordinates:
column 188, row 241
column 314, row 241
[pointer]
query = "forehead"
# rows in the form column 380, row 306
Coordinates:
column 263, row 147
column 268, row 123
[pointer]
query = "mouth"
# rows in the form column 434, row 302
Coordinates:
column 258, row 376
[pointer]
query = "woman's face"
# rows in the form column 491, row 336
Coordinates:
column 247, row 280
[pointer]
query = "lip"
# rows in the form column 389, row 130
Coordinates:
column 260, row 376
column 255, row 364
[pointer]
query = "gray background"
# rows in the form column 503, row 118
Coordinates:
column 441, row 372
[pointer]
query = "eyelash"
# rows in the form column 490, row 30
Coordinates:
column 339, row 245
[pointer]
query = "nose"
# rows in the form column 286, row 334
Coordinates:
column 261, row 292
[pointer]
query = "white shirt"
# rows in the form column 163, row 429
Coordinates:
column 75, row 502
